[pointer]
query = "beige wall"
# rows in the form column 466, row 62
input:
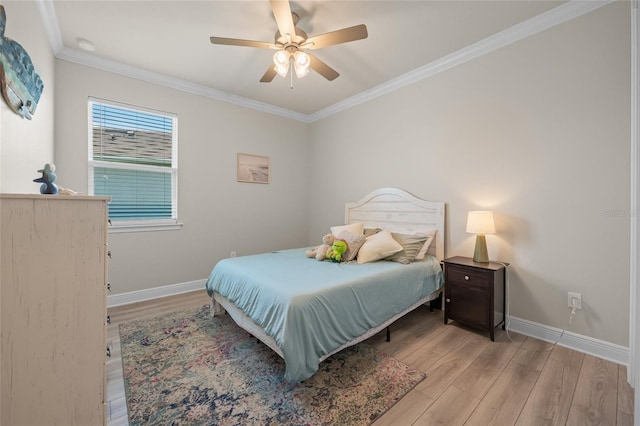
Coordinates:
column 537, row 131
column 26, row 145
column 219, row 214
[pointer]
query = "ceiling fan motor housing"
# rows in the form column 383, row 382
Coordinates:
column 287, row 40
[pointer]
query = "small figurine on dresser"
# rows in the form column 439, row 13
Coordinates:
column 48, row 179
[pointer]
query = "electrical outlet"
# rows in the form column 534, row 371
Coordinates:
column 233, row 254
column 574, row 296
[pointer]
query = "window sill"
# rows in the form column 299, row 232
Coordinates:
column 122, row 226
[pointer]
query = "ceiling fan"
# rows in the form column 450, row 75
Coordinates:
column 291, row 44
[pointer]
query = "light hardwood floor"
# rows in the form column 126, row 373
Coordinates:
column 516, row 380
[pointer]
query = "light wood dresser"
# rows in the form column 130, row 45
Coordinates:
column 53, row 308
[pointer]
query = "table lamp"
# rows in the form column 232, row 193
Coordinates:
column 480, row 223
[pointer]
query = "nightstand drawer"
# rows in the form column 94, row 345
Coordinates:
column 465, row 276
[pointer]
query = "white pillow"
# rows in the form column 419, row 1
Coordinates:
column 355, row 228
column 378, row 247
column 354, row 242
column 411, row 246
column 423, row 251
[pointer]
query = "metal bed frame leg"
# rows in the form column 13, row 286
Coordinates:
column 436, row 303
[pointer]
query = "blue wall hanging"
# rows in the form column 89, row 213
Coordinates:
column 20, row 83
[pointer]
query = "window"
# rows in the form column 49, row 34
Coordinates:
column 133, row 159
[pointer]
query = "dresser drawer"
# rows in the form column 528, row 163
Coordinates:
column 466, row 276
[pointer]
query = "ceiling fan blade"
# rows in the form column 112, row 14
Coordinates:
column 239, row 42
column 282, row 13
column 269, row 75
column 344, row 35
column 323, row 69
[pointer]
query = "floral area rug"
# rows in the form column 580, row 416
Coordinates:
column 187, row 368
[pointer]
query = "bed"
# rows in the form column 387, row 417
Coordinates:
column 307, row 310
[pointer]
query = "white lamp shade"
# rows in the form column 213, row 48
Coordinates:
column 480, row 222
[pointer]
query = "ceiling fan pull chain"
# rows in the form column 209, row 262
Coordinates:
column 291, row 73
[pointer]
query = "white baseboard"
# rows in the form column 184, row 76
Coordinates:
column 154, row 293
column 599, row 348
column 588, row 345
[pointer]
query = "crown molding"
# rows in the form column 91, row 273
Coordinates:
column 52, row 28
column 567, row 11
column 91, row 60
column 50, row 23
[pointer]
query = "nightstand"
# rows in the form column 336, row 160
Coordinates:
column 475, row 293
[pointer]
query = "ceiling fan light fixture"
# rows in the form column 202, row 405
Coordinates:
column 282, row 70
column 301, row 71
column 291, row 40
column 301, row 62
column 281, row 58
column 302, row 59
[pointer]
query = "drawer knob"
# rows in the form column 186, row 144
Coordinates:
column 466, row 277
column 448, row 300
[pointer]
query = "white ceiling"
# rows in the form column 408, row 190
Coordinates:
column 171, row 38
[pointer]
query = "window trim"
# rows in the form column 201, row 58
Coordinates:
column 121, row 226
column 136, row 225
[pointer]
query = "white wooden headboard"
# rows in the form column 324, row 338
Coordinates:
column 399, row 211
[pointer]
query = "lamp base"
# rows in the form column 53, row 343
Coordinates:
column 480, row 254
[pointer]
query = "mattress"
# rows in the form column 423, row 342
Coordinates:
column 311, row 308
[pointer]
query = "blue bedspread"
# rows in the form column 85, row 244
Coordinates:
column 311, row 308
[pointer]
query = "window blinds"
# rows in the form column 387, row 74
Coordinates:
column 133, row 161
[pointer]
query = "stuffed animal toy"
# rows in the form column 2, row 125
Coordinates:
column 338, row 248
column 320, row 251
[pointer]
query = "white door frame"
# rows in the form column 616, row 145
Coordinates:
column 633, row 369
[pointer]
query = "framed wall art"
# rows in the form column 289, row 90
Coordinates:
column 253, row 168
